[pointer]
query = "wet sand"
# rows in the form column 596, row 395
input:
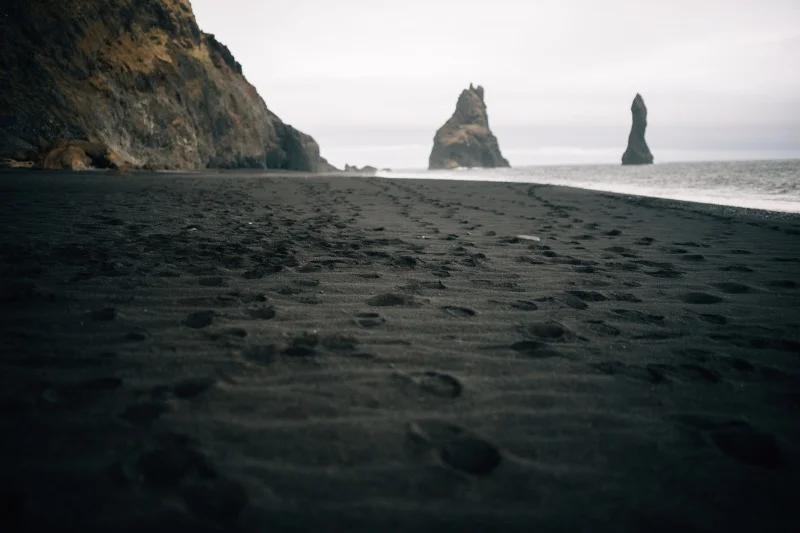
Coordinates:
column 227, row 352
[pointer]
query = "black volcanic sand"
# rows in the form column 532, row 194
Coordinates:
column 230, row 352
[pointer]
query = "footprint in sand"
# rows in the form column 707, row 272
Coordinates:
column 700, row 298
column 262, row 354
column 574, row 302
column 732, row 288
column 369, row 320
column 625, row 297
column 391, row 300
column 256, row 273
column 433, row 285
column 627, row 252
column 601, row 328
column 460, row 312
column 306, row 282
column 712, row 318
column 533, row 349
column 667, row 273
column 628, row 265
column 137, row 336
column 457, row 447
column 434, row 383
column 588, row 296
column 659, row 335
column 737, row 268
column 144, row 413
column 693, row 372
column 287, row 290
column 211, row 281
column 103, row 315
column 227, row 332
column 250, row 297
column 782, row 284
column 688, row 372
column 168, row 271
column 759, row 343
column 189, row 388
column 308, row 344
column 200, row 319
column 100, row 384
column 262, row 313
column 639, row 317
column 310, row 267
column 220, row 501
column 405, row 261
column 172, row 463
column 739, row 364
column 698, row 354
column 440, row 384
column 740, row 441
column 523, row 305
column 338, row 343
column 648, row 373
column 547, row 331
column 691, row 244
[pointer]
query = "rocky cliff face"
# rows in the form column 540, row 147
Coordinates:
column 638, row 153
column 466, row 140
column 138, row 78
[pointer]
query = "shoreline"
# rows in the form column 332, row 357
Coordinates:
column 697, row 207
column 700, row 207
column 656, row 201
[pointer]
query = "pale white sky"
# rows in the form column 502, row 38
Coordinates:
column 372, row 80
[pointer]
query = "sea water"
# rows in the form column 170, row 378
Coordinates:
column 769, row 185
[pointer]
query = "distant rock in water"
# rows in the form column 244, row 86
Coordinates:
column 134, row 83
column 466, row 140
column 366, row 169
column 638, row 153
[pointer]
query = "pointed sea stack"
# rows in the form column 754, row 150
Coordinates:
column 466, row 140
column 638, row 153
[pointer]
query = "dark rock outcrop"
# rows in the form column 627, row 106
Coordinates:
column 366, row 169
column 136, row 79
column 638, row 153
column 466, row 140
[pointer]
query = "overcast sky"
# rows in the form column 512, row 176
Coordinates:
column 372, row 80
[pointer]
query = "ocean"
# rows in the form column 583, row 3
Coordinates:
column 768, row 185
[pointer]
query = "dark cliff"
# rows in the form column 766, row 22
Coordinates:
column 141, row 83
column 466, row 140
column 637, row 153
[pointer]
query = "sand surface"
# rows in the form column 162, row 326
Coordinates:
column 233, row 353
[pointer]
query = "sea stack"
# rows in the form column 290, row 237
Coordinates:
column 466, row 140
column 104, row 83
column 638, row 152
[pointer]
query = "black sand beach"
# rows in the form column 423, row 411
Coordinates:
column 229, row 352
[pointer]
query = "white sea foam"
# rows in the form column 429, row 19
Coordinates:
column 770, row 185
